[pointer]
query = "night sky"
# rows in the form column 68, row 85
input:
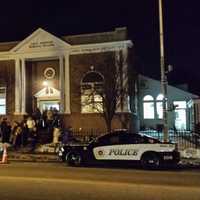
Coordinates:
column 18, row 19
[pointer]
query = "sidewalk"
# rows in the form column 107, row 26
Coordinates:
column 43, row 153
column 32, row 157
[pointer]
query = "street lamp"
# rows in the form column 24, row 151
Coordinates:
column 163, row 75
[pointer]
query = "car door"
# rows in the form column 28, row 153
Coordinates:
column 121, row 146
column 104, row 146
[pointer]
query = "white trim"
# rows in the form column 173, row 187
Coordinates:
column 61, row 84
column 17, row 87
column 23, row 86
column 42, row 93
column 36, row 33
column 100, row 47
column 67, row 85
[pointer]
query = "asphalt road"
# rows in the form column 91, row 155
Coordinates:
column 34, row 181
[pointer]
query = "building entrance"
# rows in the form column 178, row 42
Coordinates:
column 180, row 115
column 49, row 104
column 48, row 98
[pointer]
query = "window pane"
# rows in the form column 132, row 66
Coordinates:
column 87, row 108
column 160, row 97
column 92, row 77
column 159, row 109
column 148, row 98
column 180, row 104
column 148, row 110
column 2, row 110
column 98, row 107
column 2, row 90
column 2, row 101
column 97, row 98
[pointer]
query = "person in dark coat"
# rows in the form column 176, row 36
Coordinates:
column 5, row 130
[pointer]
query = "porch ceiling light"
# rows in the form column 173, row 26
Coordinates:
column 45, row 83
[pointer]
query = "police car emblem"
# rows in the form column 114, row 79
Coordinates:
column 101, row 152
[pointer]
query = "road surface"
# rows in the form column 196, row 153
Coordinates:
column 42, row 181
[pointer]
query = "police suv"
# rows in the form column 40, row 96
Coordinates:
column 121, row 146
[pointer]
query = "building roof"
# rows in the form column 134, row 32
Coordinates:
column 119, row 34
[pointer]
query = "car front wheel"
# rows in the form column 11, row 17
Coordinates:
column 74, row 159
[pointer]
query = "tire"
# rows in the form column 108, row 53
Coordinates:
column 150, row 161
column 74, row 159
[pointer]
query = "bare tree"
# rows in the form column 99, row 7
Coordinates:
column 110, row 91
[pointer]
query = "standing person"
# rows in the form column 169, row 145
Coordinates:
column 15, row 138
column 32, row 132
column 67, row 136
column 25, row 133
column 49, row 123
column 5, row 130
column 31, row 125
column 37, row 116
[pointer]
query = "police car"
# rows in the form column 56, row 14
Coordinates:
column 123, row 147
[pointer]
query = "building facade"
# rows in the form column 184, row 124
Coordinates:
column 44, row 71
column 150, row 106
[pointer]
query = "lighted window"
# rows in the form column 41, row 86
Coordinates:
column 2, row 100
column 159, row 106
column 180, row 104
column 91, row 89
column 148, row 107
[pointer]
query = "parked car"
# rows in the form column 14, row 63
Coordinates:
column 123, row 147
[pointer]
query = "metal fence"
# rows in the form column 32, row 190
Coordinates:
column 184, row 139
column 87, row 134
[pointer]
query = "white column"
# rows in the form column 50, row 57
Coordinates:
column 67, row 85
column 23, row 86
column 61, row 84
column 126, row 103
column 17, row 87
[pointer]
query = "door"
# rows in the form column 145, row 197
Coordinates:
column 180, row 115
column 49, row 104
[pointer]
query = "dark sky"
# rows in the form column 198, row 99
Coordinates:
column 18, row 19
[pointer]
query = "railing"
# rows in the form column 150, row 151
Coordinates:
column 86, row 135
column 182, row 138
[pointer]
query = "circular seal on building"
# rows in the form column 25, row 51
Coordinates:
column 49, row 73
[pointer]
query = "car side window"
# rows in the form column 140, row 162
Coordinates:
column 109, row 140
column 131, row 139
column 114, row 140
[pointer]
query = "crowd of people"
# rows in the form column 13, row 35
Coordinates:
column 19, row 133
column 26, row 132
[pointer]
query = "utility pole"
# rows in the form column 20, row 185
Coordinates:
column 163, row 75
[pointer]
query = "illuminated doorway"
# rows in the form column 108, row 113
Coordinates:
column 49, row 105
column 48, row 98
column 180, row 115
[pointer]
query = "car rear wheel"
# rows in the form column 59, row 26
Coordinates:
column 150, row 161
column 74, row 159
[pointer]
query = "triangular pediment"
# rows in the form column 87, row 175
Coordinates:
column 48, row 92
column 40, row 40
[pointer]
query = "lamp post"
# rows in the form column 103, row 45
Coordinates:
column 163, row 75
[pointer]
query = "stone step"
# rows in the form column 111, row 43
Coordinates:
column 32, row 157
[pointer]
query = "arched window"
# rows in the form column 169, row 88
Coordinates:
column 159, row 106
column 148, row 107
column 91, row 92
